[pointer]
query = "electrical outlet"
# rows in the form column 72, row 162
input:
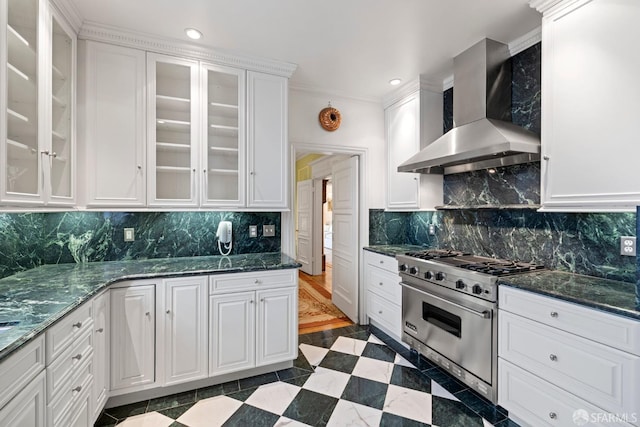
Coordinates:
column 129, row 234
column 268, row 230
column 628, row 246
column 432, row 229
column 253, row 231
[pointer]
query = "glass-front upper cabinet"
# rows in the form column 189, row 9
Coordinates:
column 224, row 138
column 172, row 131
column 61, row 153
column 22, row 168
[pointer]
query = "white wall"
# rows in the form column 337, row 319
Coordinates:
column 362, row 127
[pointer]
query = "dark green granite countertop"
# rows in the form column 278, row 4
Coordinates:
column 603, row 294
column 393, row 250
column 39, row 297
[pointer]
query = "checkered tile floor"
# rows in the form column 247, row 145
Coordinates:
column 343, row 377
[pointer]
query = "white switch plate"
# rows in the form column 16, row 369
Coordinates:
column 129, row 235
column 253, row 231
column 628, row 246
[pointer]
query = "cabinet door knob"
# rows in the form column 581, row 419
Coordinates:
column 553, row 415
column 140, row 167
column 251, row 173
column 545, row 157
column 147, row 314
column 77, row 389
column 250, row 301
column 381, row 261
column 261, row 299
column 101, row 330
column 257, row 281
column 554, row 314
column 54, row 154
column 168, row 311
column 45, row 152
column 77, row 357
column 553, row 357
column 77, row 325
column 379, row 311
column 381, row 283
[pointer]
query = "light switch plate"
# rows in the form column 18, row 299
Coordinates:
column 253, row 231
column 628, row 246
column 129, row 235
column 268, row 230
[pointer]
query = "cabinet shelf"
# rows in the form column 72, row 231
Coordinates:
column 21, row 146
column 224, row 127
column 173, row 125
column 221, row 105
column 224, row 149
column 172, row 103
column 224, row 171
column 19, row 73
column 17, row 116
column 58, row 136
column 182, row 169
column 18, row 37
column 170, row 146
column 58, row 102
column 57, row 74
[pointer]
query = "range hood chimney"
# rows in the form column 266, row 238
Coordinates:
column 483, row 135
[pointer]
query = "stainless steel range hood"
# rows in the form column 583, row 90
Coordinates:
column 483, row 135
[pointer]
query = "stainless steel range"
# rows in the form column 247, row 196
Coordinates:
column 449, row 312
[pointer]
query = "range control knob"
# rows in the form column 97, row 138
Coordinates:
column 440, row 275
column 477, row 289
column 460, row 284
column 413, row 270
column 428, row 275
column 403, row 267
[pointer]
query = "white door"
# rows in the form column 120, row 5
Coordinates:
column 277, row 331
column 184, row 339
column 345, row 236
column 305, row 221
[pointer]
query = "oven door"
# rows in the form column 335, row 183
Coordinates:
column 458, row 326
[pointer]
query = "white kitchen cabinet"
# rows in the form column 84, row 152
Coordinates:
column 101, row 329
column 27, row 408
column 224, row 144
column 254, row 324
column 132, row 337
column 182, row 334
column 384, row 293
column 412, row 122
column 173, row 131
column 536, row 352
column 112, row 90
column 267, row 141
column 37, row 80
column 590, row 105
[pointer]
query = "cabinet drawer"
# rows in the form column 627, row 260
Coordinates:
column 601, row 375
column 382, row 261
column 533, row 401
column 609, row 329
column 65, row 366
column 20, row 368
column 70, row 393
column 384, row 312
column 61, row 335
column 384, row 283
column 256, row 280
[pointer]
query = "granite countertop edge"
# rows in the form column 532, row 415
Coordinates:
column 249, row 263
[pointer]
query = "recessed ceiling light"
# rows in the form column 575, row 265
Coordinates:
column 394, row 82
column 192, row 33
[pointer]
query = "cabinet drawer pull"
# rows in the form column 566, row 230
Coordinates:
column 553, row 357
column 261, row 299
column 77, row 389
column 554, row 314
column 77, row 357
column 77, row 325
column 381, row 284
column 379, row 311
column 101, row 330
column 250, row 301
column 257, row 281
column 553, row 415
column 381, row 261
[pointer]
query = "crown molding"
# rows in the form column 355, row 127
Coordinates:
column 314, row 90
column 525, row 41
column 411, row 87
column 551, row 6
column 70, row 12
column 113, row 35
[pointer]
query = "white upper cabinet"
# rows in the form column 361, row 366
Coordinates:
column 412, row 121
column 268, row 146
column 37, row 108
column 112, row 88
column 172, row 131
column 590, row 105
column 223, row 153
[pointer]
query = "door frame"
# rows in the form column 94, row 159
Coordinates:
column 288, row 221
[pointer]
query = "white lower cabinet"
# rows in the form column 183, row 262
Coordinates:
column 100, row 392
column 546, row 374
column 384, row 293
column 133, row 321
column 254, row 327
column 182, row 330
column 27, row 408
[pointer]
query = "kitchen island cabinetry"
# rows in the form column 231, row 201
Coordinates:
column 101, row 328
column 411, row 122
column 557, row 358
column 384, row 293
column 590, row 105
column 27, row 408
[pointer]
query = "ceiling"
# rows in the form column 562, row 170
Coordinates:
column 343, row 47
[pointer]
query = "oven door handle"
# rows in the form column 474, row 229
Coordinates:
column 484, row 314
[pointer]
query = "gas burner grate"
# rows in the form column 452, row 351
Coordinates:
column 435, row 253
column 501, row 268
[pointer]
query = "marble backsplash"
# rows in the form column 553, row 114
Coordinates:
column 28, row 240
column 583, row 243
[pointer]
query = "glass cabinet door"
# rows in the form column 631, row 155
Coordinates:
column 225, row 140
column 23, row 160
column 61, row 152
column 171, row 131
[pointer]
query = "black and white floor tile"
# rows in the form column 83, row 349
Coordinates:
column 342, row 377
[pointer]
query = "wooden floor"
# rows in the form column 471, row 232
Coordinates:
column 321, row 282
